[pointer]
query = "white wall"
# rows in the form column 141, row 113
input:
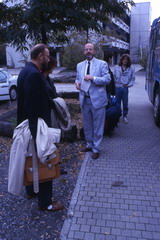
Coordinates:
column 15, row 58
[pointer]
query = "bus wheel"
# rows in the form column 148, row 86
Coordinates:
column 157, row 108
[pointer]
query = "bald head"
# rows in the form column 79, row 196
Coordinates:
column 37, row 49
column 40, row 55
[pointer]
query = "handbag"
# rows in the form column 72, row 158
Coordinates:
column 46, row 171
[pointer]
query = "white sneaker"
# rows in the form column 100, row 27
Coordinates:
column 125, row 120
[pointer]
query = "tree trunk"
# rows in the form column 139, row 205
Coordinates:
column 44, row 35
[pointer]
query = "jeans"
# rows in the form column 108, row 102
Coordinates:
column 122, row 95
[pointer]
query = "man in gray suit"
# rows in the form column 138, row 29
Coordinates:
column 92, row 76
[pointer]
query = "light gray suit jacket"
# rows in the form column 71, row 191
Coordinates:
column 97, row 90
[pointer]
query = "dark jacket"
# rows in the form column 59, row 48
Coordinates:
column 33, row 101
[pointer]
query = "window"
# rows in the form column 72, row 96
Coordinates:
column 3, row 76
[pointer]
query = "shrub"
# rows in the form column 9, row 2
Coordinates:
column 143, row 60
column 72, row 55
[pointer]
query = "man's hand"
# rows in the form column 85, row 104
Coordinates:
column 88, row 78
column 78, row 85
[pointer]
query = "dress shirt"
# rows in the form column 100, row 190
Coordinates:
column 86, row 84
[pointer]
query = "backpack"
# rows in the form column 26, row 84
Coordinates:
column 113, row 114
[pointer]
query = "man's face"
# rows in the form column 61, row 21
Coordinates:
column 89, row 51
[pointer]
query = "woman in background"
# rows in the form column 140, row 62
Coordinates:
column 51, row 90
column 52, row 93
column 124, row 77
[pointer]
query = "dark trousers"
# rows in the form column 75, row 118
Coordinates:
column 44, row 194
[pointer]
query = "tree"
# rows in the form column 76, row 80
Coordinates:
column 49, row 20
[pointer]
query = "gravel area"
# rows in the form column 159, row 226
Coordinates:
column 19, row 217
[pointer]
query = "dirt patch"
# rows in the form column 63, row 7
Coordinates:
column 20, row 217
column 6, row 106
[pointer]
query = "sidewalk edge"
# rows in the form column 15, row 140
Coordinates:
column 70, row 214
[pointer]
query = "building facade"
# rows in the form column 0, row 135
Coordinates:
column 140, row 30
column 118, row 37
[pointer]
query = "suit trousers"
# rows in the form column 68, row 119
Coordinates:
column 93, row 124
column 44, row 195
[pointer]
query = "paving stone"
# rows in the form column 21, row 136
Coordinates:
column 93, row 209
column 91, row 222
column 84, row 209
column 120, row 225
column 75, row 227
column 100, row 237
column 89, row 203
column 71, row 234
column 85, row 228
column 78, row 214
column 95, row 229
column 81, row 220
column 127, row 233
column 156, row 235
column 150, row 227
column 121, row 238
column 100, row 223
column 140, row 226
column 89, row 236
column 116, row 231
column 147, row 235
column 79, row 235
column 130, row 225
column 136, row 234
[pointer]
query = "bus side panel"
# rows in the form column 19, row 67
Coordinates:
column 157, row 64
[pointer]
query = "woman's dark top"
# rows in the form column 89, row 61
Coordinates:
column 51, row 90
column 111, row 87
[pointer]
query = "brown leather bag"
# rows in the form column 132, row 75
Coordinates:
column 46, row 172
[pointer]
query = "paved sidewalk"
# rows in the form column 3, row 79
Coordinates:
column 117, row 197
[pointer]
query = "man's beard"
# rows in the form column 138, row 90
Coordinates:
column 44, row 66
column 89, row 57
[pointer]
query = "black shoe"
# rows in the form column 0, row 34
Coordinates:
column 95, row 155
column 86, row 149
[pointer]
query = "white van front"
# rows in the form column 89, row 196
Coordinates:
column 8, row 86
column 4, row 85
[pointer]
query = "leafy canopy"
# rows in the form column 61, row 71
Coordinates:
column 49, row 20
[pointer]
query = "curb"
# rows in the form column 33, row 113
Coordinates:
column 74, row 199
